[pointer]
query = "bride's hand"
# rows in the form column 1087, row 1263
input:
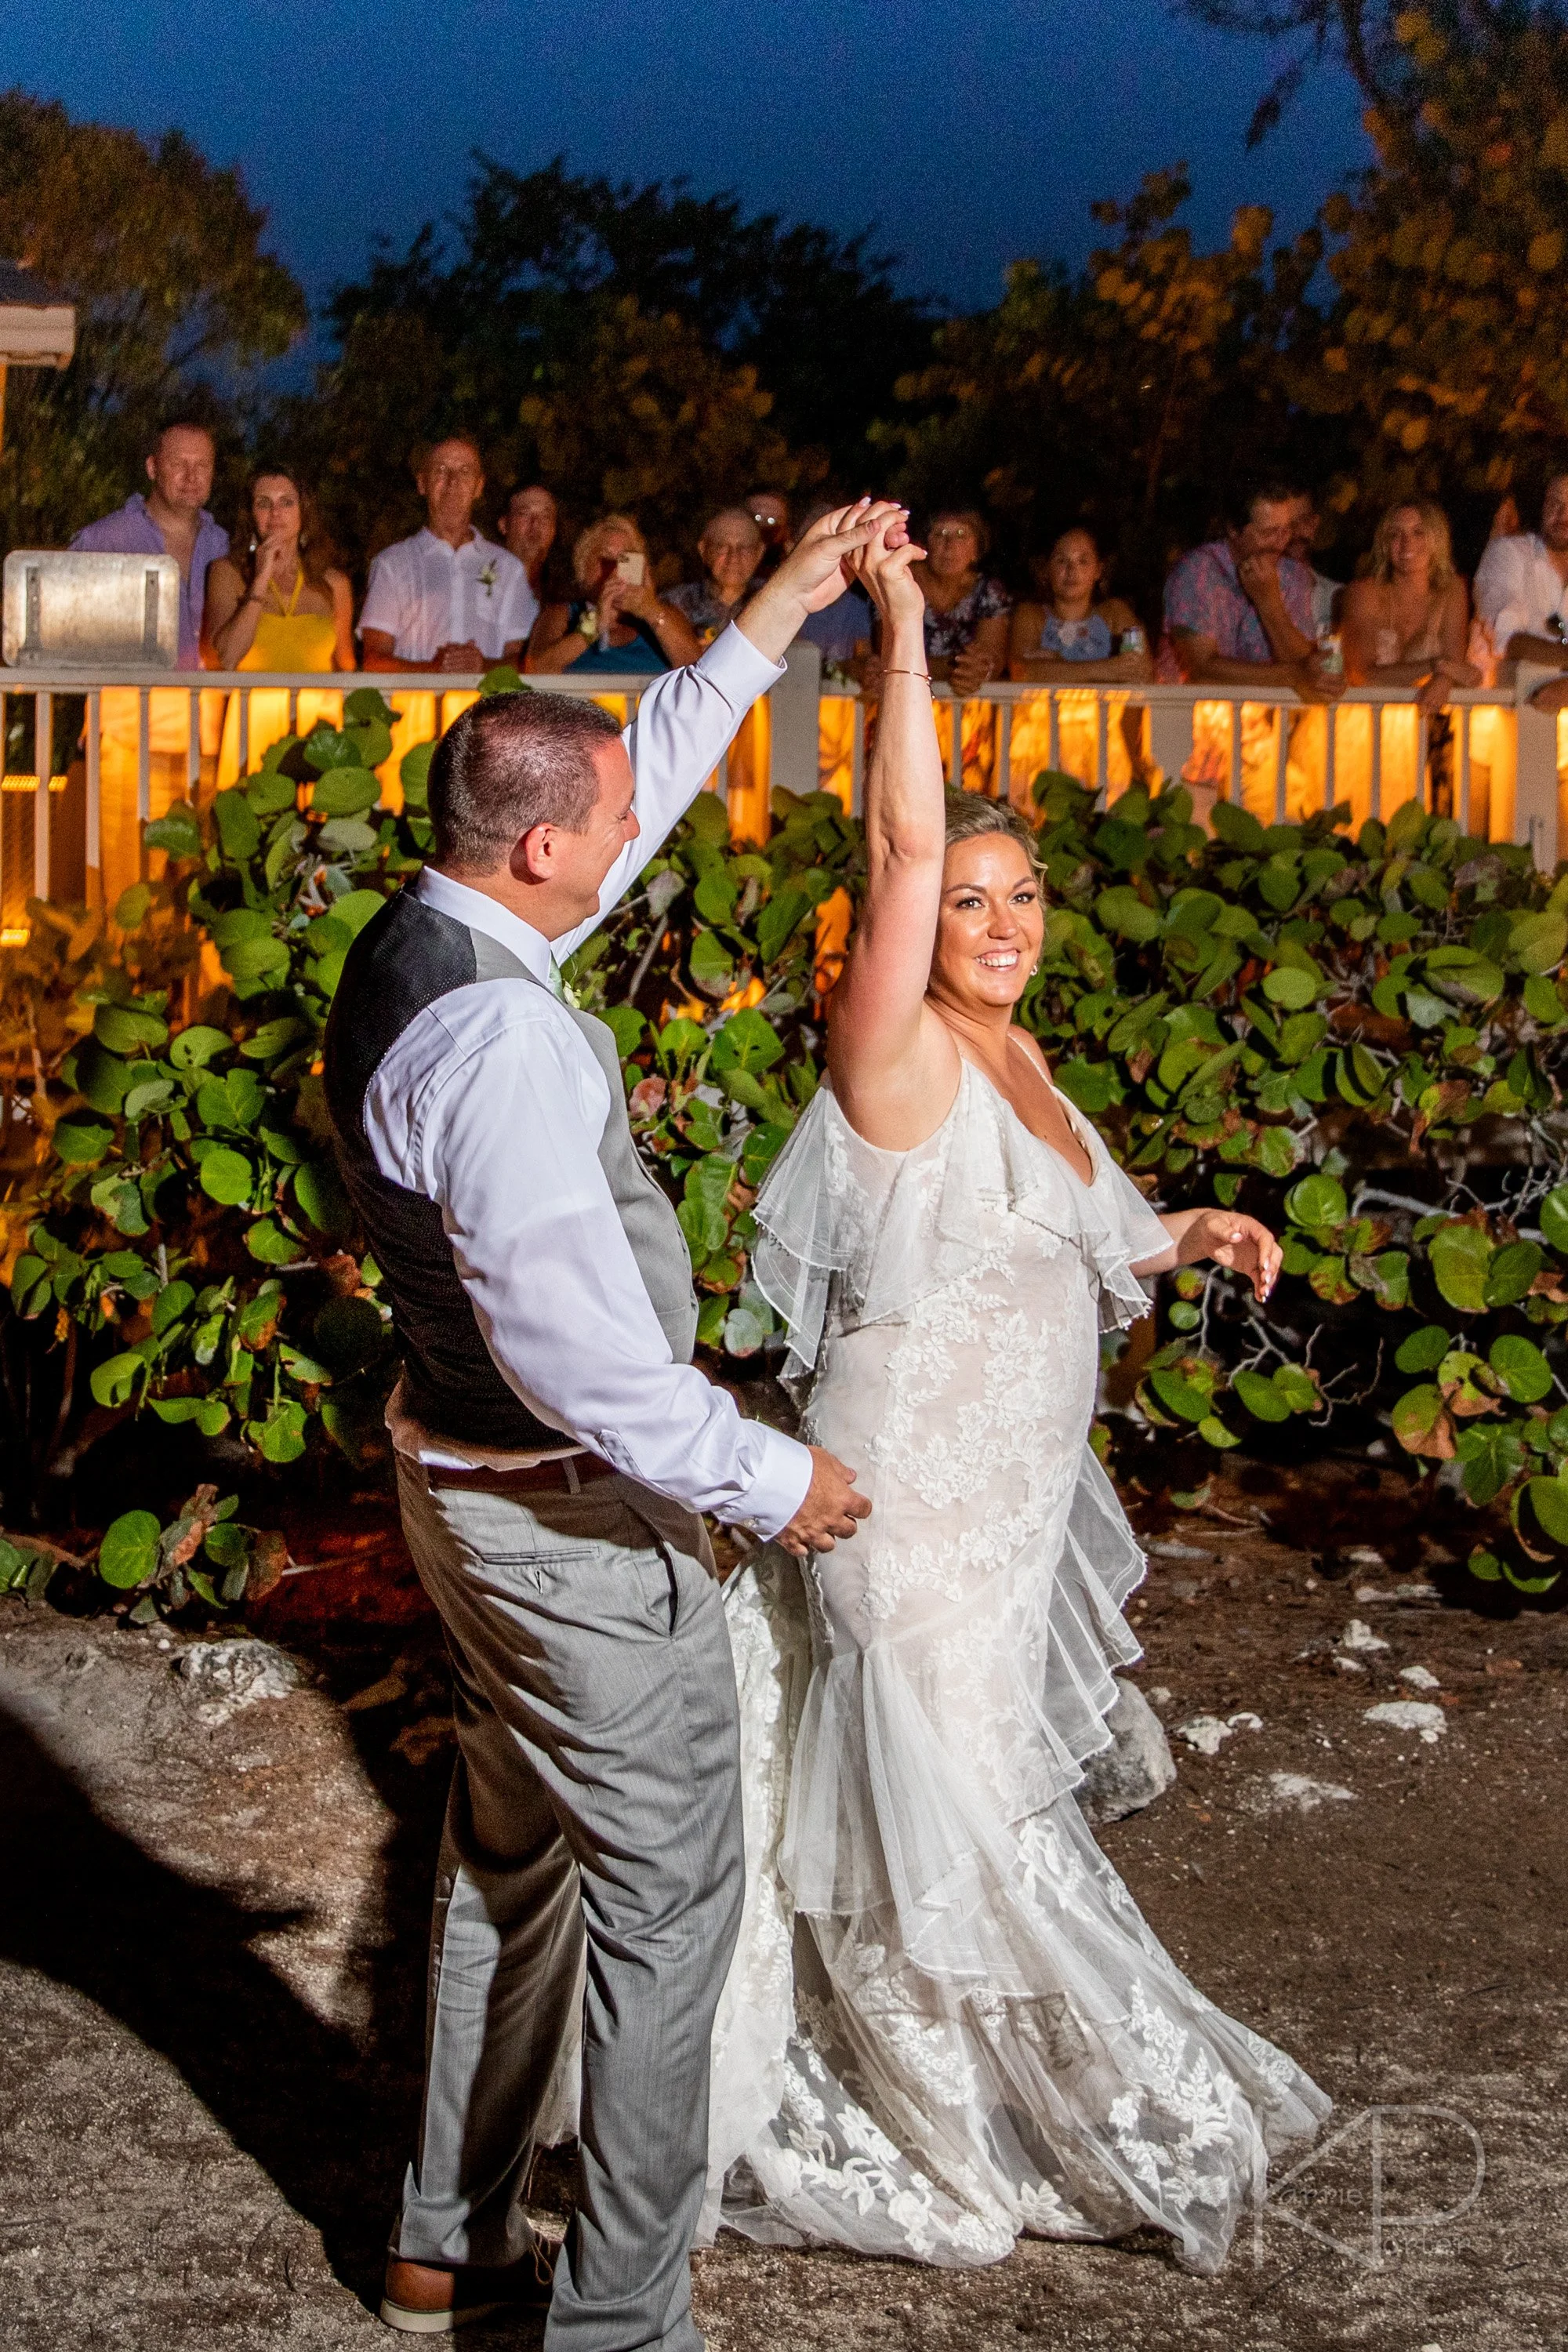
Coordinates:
column 818, row 566
column 1232, row 1240
column 883, row 569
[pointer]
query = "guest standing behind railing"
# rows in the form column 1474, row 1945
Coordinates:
column 1070, row 637
column 1239, row 610
column 618, row 620
column 966, row 611
column 732, row 548
column 1521, row 592
column 283, row 607
column 1408, row 623
column 529, row 526
column 446, row 599
column 172, row 519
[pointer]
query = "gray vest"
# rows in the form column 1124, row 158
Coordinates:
column 405, row 959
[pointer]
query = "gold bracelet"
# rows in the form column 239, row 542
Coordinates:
column 890, row 672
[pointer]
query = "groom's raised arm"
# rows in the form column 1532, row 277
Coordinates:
column 687, row 718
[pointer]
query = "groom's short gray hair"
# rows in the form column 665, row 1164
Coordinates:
column 513, row 762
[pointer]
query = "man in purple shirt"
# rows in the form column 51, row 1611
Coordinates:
column 1239, row 610
column 170, row 520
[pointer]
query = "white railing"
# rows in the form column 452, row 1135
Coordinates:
column 71, row 829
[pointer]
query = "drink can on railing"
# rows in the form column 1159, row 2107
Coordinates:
column 1132, row 641
column 1331, row 653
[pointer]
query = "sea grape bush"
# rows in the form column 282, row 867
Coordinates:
column 1360, row 1040
column 1386, row 1016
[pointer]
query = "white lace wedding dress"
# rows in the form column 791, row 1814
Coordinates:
column 947, row 2021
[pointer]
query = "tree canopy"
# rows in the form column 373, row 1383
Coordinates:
column 162, row 255
column 509, row 312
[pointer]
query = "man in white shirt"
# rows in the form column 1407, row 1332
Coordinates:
column 556, row 1447
column 1521, row 592
column 446, row 599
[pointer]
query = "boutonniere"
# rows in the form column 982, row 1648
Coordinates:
column 487, row 578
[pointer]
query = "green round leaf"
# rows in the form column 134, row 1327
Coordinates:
column 345, row 792
column 1215, row 1433
column 226, row 1176
column 1554, row 1219
column 193, row 1048
column 1424, row 1350
column 129, row 1552
column 1298, row 1387
column 1287, row 986
column 1538, row 941
column 347, row 836
column 1415, row 1415
column 1548, row 1498
column 1521, row 1368
column 1460, row 1257
column 1317, row 1200
column 113, row 1380
column 1122, row 910
column 1186, row 1398
column 238, row 827
column 1237, row 827
column 1260, row 1397
column 178, row 832
column 348, row 1334
column 268, row 1242
column 170, row 1304
column 1512, row 1270
column 79, row 1140
column 126, row 1029
column 319, row 1190
column 748, row 1041
column 133, row 905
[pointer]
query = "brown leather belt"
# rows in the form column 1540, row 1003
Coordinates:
column 568, row 1475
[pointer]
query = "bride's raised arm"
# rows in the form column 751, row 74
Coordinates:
column 888, row 1058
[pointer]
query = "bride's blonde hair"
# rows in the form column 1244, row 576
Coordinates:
column 971, row 816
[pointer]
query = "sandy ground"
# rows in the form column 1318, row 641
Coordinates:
column 210, row 1951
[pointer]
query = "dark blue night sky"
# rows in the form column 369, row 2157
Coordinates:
column 972, row 134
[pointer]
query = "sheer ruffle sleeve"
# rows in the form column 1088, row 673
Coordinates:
column 840, row 1219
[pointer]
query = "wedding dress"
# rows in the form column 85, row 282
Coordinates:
column 947, row 2022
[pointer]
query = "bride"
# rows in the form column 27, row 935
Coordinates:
column 947, row 2022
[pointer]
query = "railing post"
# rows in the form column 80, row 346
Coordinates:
column 1535, row 775
column 43, row 763
column 792, row 707
column 94, row 859
column 1170, row 738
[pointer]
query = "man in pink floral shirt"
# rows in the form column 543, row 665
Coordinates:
column 1239, row 610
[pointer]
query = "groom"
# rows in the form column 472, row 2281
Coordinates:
column 556, row 1447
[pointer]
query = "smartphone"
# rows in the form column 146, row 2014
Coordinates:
column 632, row 568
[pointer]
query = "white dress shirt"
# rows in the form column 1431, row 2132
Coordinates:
column 425, row 595
column 492, row 1103
column 1519, row 591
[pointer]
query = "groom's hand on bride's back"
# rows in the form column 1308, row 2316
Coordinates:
column 829, row 1508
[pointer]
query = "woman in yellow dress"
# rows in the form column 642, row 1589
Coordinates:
column 281, row 607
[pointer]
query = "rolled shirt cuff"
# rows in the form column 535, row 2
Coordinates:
column 781, row 1472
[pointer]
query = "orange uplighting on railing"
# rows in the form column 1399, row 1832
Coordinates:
column 30, row 784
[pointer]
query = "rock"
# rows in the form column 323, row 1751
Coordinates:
column 1135, row 1768
column 1206, row 1732
column 1410, row 1715
column 1421, row 1677
column 1299, row 1790
column 1167, row 1547
column 1349, row 1665
column 1400, row 1592
column 228, row 1675
column 1358, row 1635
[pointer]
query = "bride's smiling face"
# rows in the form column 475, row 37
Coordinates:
column 989, row 930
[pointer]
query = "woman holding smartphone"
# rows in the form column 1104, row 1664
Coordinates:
column 618, row 620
